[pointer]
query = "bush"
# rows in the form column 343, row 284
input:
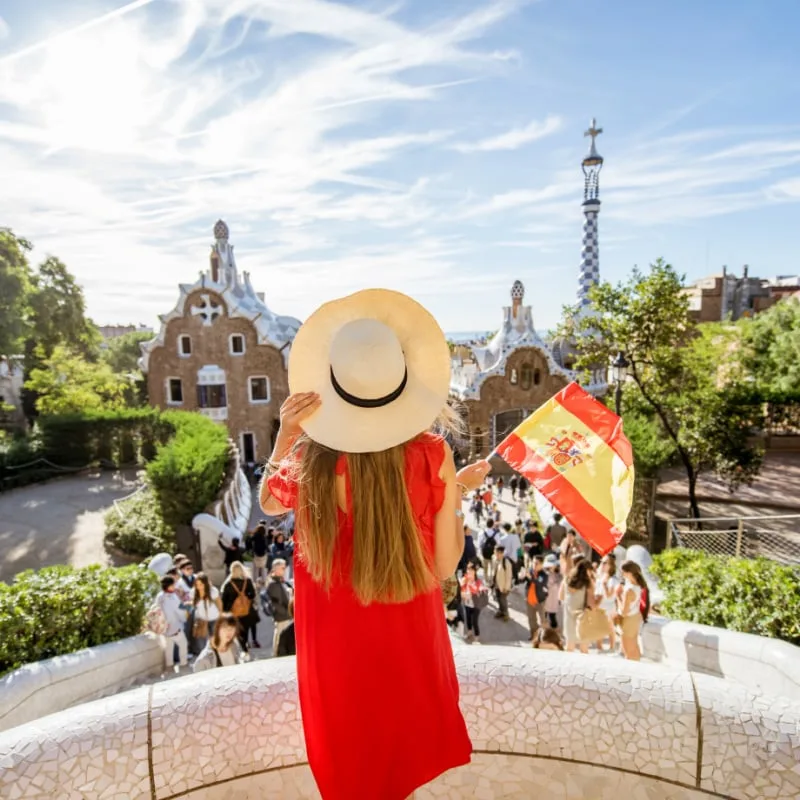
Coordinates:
column 59, row 610
column 748, row 595
column 188, row 470
column 141, row 530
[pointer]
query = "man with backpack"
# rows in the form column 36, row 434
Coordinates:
column 174, row 619
column 487, row 541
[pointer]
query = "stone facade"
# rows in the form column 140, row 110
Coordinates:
column 223, row 353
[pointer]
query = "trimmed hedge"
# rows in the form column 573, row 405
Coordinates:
column 748, row 595
column 59, row 610
column 142, row 530
column 189, row 469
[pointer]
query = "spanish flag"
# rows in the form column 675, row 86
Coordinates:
column 572, row 449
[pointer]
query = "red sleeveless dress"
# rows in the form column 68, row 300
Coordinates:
column 377, row 683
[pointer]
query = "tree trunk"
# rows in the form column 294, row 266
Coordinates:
column 695, row 509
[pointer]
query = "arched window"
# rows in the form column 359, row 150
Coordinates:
column 537, row 377
column 525, row 377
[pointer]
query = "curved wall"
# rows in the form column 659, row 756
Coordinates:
column 571, row 725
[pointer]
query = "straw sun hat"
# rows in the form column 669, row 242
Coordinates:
column 381, row 366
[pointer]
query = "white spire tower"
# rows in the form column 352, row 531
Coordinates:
column 590, row 255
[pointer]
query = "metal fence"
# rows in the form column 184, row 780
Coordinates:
column 774, row 537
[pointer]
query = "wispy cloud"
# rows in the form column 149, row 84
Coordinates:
column 514, row 138
column 5, row 31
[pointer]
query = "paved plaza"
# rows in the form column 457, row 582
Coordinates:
column 59, row 522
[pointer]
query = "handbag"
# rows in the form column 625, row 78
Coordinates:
column 592, row 623
column 200, row 629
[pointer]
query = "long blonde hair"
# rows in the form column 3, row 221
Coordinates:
column 390, row 562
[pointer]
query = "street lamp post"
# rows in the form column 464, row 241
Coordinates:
column 618, row 372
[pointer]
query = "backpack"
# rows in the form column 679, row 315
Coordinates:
column 643, row 602
column 155, row 620
column 487, row 549
column 241, row 605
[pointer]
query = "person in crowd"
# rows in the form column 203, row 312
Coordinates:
column 496, row 514
column 536, row 594
column 522, row 486
column 548, row 639
column 513, row 548
column 605, row 591
column 556, row 533
column 532, row 543
column 187, row 578
column 175, row 616
column 501, row 484
column 513, row 483
column 183, row 588
column 379, row 525
column 280, row 548
column 238, row 594
column 576, row 594
column 222, row 649
column 207, row 606
column 477, row 508
column 472, row 587
column 234, row 552
column 287, row 644
column 554, row 579
column 280, row 597
column 568, row 551
column 260, row 547
column 502, row 581
column 469, row 553
column 634, row 609
column 487, row 497
column 522, row 508
column 487, row 541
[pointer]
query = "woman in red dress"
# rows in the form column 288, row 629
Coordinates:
column 378, row 525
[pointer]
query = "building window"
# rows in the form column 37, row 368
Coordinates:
column 537, row 377
column 174, row 391
column 184, row 345
column 237, row 344
column 248, row 448
column 525, row 377
column 259, row 389
column 212, row 395
column 512, row 378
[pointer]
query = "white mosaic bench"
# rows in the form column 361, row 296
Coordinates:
column 569, row 725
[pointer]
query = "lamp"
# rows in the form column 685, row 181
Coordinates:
column 618, row 372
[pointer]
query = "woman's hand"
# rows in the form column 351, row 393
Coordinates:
column 295, row 409
column 471, row 477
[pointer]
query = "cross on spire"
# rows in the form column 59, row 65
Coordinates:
column 593, row 131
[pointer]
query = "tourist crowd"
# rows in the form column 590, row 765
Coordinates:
column 574, row 598
column 209, row 626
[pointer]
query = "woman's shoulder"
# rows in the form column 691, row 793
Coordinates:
column 206, row 659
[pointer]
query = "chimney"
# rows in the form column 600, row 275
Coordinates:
column 745, row 270
column 724, row 271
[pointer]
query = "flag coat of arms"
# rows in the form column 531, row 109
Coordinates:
column 572, row 449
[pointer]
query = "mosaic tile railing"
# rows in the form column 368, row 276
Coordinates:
column 569, row 725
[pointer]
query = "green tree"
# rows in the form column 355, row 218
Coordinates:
column 677, row 369
column 770, row 346
column 123, row 352
column 15, row 289
column 67, row 383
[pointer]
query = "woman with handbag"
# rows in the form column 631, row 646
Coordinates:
column 474, row 596
column 634, row 608
column 606, row 594
column 238, row 594
column 207, row 607
column 577, row 595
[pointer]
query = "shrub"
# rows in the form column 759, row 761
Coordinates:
column 141, row 529
column 59, row 610
column 189, row 469
column 748, row 595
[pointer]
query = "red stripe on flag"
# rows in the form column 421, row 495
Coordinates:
column 582, row 515
column 595, row 416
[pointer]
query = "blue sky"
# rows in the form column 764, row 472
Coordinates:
column 430, row 147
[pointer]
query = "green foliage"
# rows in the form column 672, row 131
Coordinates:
column 748, row 595
column 141, row 529
column 770, row 347
column 59, row 610
column 66, row 383
column 123, row 352
column 681, row 380
column 15, row 289
column 187, row 472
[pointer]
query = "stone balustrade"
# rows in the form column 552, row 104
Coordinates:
column 564, row 724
